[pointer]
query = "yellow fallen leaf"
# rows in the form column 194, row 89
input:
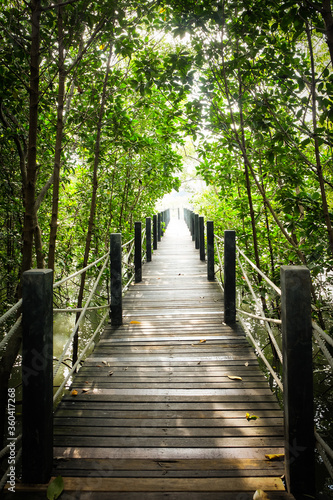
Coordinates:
column 203, row 340
column 233, row 377
column 135, row 322
column 260, row 495
column 251, row 417
column 275, row 456
column 74, row 393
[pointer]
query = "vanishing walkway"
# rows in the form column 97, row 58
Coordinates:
column 158, row 414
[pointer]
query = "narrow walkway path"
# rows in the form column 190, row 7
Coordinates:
column 158, row 414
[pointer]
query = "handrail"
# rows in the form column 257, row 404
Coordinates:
column 78, row 322
column 276, row 288
column 58, row 283
column 80, row 357
column 319, row 335
column 11, row 311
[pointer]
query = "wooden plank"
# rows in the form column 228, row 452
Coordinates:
column 176, row 421
column 162, row 453
column 225, row 466
column 172, row 484
column 171, row 432
column 39, row 492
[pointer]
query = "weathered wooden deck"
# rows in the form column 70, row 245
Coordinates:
column 156, row 415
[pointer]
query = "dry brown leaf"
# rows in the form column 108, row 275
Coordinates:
column 110, row 374
column 234, row 377
column 135, row 322
column 85, row 390
column 203, row 340
column 74, row 392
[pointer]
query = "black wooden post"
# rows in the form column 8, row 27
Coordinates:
column 155, row 232
column 229, row 277
column 193, row 226
column 37, row 375
column 159, row 227
column 298, row 380
column 196, row 230
column 210, row 251
column 138, row 252
column 148, row 239
column 202, row 238
column 116, row 307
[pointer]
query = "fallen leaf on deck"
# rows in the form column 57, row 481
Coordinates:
column 105, row 363
column 110, row 374
column 203, row 340
column 275, row 456
column 55, row 488
column 85, row 390
column 199, row 363
column 135, row 322
column 246, row 364
column 260, row 495
column 99, row 366
column 74, row 393
column 251, row 417
column 233, row 377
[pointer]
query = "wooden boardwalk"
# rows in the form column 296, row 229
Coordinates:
column 157, row 413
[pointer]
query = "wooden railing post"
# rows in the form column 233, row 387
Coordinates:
column 196, row 231
column 229, row 277
column 138, row 252
column 148, row 239
column 202, row 238
column 298, row 380
column 159, row 227
column 37, row 375
column 155, row 232
column 116, row 306
column 210, row 251
column 193, row 226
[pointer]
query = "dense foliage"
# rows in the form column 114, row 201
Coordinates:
column 97, row 96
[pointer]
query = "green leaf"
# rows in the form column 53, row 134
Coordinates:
column 55, row 488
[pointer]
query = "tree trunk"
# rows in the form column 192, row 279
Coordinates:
column 30, row 188
column 326, row 12
column 58, row 144
column 316, row 145
column 93, row 197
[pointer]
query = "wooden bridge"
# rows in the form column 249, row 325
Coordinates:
column 172, row 403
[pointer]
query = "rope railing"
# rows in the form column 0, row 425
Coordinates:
column 80, row 357
column 82, row 315
column 319, row 335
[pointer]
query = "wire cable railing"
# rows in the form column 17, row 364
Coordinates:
column 321, row 338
